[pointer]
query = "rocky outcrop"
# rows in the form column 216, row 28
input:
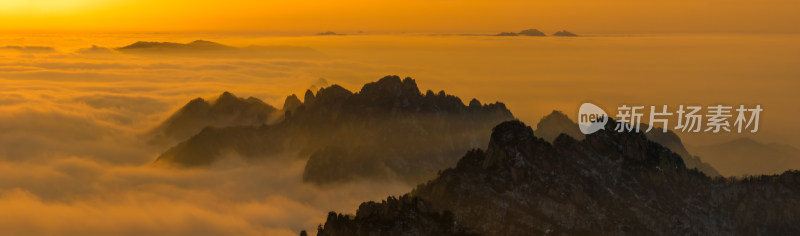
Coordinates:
column 291, row 103
column 610, row 183
column 386, row 130
column 556, row 123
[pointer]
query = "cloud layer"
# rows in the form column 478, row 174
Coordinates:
column 72, row 161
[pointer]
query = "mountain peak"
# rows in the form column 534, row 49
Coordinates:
column 291, row 103
column 531, row 32
column 556, row 114
column 196, row 101
column 592, row 186
column 201, row 45
column 309, row 97
column 389, row 79
column 226, row 97
column 509, row 142
column 410, row 85
column 564, row 33
column 203, row 42
column 337, row 130
column 511, row 133
column 391, row 85
column 474, row 103
column 333, row 94
column 555, row 123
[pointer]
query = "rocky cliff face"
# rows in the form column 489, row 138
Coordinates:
column 610, row 183
column 387, row 130
column 556, row 123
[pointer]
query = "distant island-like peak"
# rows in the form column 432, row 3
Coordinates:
column 565, row 33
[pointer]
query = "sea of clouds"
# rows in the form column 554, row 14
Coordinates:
column 73, row 160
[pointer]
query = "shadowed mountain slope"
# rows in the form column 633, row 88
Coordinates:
column 610, row 183
column 227, row 110
column 387, row 130
column 552, row 125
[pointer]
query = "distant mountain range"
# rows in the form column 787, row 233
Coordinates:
column 745, row 156
column 170, row 46
column 387, row 130
column 208, row 48
column 610, row 183
column 535, row 32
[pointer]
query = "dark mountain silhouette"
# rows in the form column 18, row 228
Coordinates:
column 531, row 32
column 527, row 32
column 291, row 103
column 745, row 156
column 674, row 143
column 556, row 123
column 387, row 130
column 394, row 216
column 328, row 33
column 208, row 48
column 227, row 110
column 564, row 33
column 29, row 49
column 507, row 34
column 610, row 183
column 95, row 50
column 552, row 125
column 197, row 45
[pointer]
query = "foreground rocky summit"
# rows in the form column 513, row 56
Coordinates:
column 387, row 131
column 610, row 183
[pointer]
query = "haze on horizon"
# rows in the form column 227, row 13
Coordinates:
column 396, row 16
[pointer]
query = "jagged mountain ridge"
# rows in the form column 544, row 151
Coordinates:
column 552, row 125
column 610, row 183
column 224, row 111
column 383, row 131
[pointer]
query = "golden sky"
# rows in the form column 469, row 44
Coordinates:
column 397, row 16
